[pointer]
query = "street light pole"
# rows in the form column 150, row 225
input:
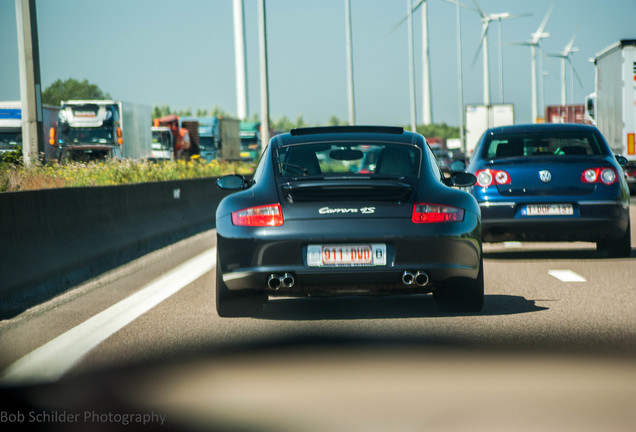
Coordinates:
column 411, row 65
column 351, row 95
column 30, row 86
column 262, row 19
column 240, row 61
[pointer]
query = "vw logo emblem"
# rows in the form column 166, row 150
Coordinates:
column 545, row 176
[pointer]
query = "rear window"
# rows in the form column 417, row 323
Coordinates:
column 336, row 159
column 559, row 144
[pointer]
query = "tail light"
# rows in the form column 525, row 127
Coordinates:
column 599, row 175
column 120, row 138
column 436, row 213
column 52, row 136
column 488, row 177
column 267, row 215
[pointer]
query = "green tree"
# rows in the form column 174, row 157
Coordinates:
column 335, row 121
column 300, row 122
column 71, row 89
column 440, row 130
column 217, row 111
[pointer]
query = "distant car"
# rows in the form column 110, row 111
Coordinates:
column 444, row 158
column 308, row 224
column 88, row 153
column 630, row 173
column 551, row 182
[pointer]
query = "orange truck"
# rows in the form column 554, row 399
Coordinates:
column 184, row 138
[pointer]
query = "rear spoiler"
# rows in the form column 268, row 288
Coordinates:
column 395, row 130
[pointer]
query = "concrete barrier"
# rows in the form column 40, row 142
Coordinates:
column 51, row 240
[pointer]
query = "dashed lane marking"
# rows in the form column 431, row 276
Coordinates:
column 566, row 276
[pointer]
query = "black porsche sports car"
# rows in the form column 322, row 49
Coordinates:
column 313, row 221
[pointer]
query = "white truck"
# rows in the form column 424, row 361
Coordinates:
column 11, row 128
column 615, row 110
column 482, row 117
column 102, row 129
column 219, row 137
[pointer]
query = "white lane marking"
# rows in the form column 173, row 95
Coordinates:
column 512, row 244
column 566, row 276
column 53, row 359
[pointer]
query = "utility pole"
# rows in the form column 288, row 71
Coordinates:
column 460, row 78
column 352, row 103
column 240, row 60
column 262, row 20
column 411, row 65
column 427, row 91
column 30, row 86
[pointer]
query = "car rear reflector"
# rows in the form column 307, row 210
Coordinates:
column 436, row 213
column 599, row 175
column 267, row 215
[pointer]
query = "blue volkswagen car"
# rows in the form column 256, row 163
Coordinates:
column 551, row 182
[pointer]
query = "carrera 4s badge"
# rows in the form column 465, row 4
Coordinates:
column 362, row 210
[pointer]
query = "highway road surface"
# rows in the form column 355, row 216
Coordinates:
column 560, row 316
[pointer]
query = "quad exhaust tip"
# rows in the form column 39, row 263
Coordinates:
column 274, row 282
column 419, row 278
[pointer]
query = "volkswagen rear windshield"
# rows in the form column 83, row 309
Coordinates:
column 542, row 144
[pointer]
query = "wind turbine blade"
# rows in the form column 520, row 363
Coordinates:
column 404, row 18
column 481, row 43
column 455, row 2
column 550, row 65
column 416, row 6
column 398, row 24
column 545, row 20
column 568, row 47
column 523, row 43
column 576, row 74
column 518, row 16
column 481, row 12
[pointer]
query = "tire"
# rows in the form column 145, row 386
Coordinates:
column 462, row 294
column 619, row 248
column 236, row 303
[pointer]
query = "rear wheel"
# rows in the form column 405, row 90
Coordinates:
column 237, row 303
column 462, row 294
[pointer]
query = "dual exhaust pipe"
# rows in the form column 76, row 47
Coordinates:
column 287, row 280
column 419, row 278
column 274, row 282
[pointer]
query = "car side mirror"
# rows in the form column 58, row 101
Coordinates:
column 461, row 179
column 622, row 161
column 458, row 165
column 231, row 182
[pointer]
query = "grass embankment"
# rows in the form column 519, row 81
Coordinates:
column 15, row 177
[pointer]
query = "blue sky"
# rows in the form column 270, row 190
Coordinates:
column 157, row 52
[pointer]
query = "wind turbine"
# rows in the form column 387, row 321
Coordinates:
column 565, row 55
column 533, row 43
column 483, row 44
column 427, row 110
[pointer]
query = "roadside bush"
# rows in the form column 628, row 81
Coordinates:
column 15, row 177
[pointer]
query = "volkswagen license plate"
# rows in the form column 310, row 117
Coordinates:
column 346, row 255
column 547, row 210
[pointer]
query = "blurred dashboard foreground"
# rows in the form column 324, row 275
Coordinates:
column 326, row 384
